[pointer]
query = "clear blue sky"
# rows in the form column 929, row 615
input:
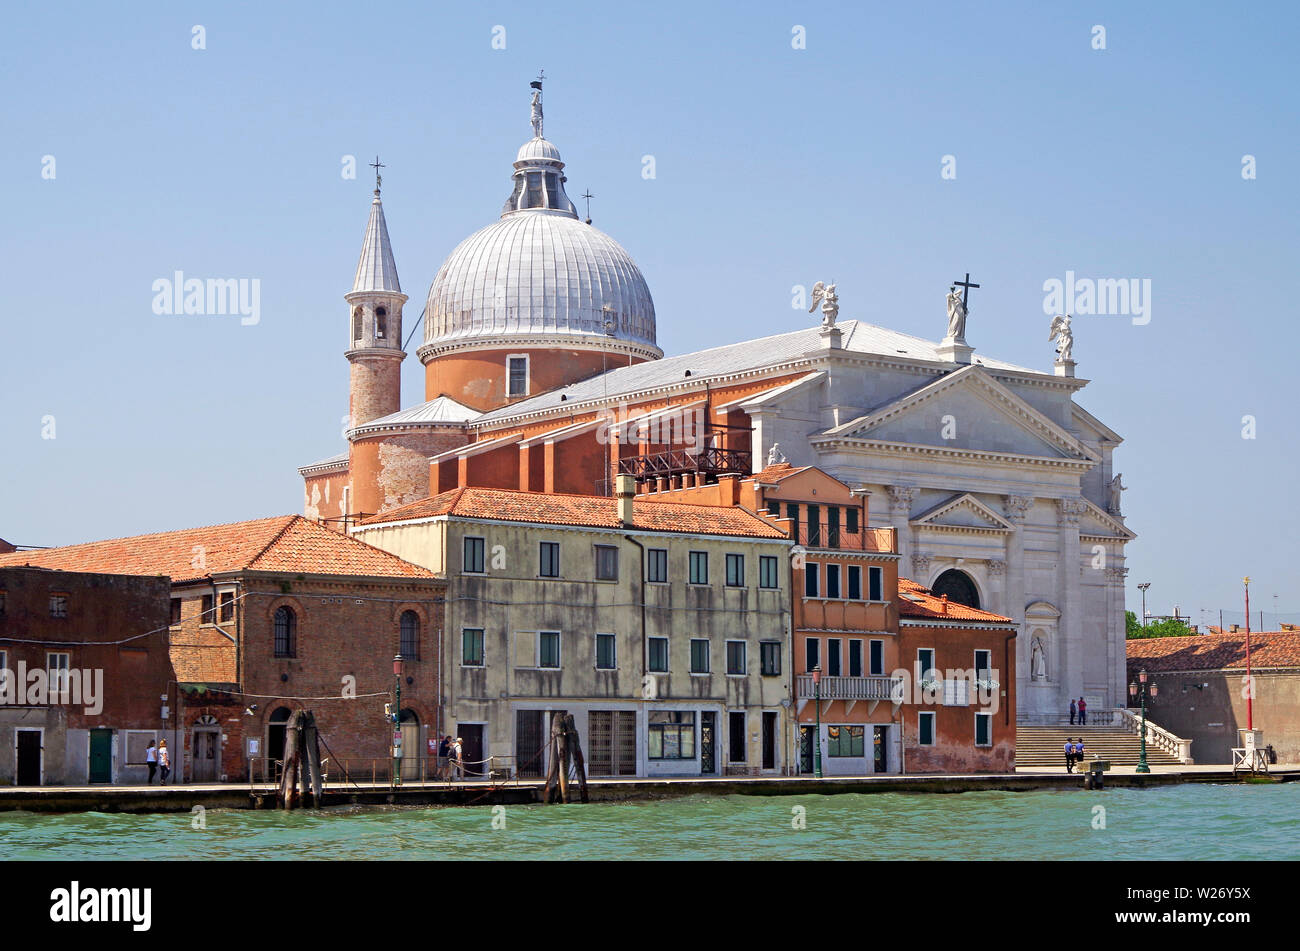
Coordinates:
column 775, row 166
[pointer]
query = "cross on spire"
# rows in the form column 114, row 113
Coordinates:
column 965, row 286
column 589, row 196
column 377, row 165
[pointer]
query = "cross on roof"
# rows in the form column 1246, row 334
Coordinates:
column 965, row 286
column 589, row 196
column 377, row 165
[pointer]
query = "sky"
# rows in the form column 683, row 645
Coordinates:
column 888, row 147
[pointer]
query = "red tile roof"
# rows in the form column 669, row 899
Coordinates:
column 1215, row 651
column 915, row 601
column 585, row 510
column 775, row 473
column 288, row 543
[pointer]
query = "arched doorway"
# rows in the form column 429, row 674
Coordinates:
column 412, row 753
column 958, row 586
column 206, row 746
column 275, row 733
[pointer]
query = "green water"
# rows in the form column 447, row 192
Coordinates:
column 1180, row 822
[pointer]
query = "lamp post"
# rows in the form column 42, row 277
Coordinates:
column 817, row 737
column 397, row 720
column 1250, row 681
column 1140, row 689
column 1143, row 588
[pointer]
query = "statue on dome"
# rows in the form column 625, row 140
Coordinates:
column 956, row 315
column 537, row 112
column 824, row 294
column 1060, row 331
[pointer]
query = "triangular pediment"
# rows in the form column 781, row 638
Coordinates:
column 967, row 410
column 962, row 513
column 1098, row 523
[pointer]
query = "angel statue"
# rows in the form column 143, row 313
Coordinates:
column 825, row 295
column 956, row 315
column 774, row 455
column 1061, row 332
column 1116, row 487
column 537, row 114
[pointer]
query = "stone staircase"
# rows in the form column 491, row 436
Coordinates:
column 1040, row 746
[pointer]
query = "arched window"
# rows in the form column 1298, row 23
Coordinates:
column 409, row 645
column 356, row 322
column 959, row 588
column 381, row 322
column 286, row 632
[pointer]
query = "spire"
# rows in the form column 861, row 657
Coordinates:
column 376, row 270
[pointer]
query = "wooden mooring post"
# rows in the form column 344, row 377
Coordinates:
column 566, row 749
column 302, row 769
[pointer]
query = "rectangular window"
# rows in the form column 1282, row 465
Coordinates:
column 735, row 657
column 769, row 653
column 605, row 645
column 767, row 571
column 656, row 565
column 983, row 729
column 736, row 737
column 877, row 658
column 699, row 655
column 176, row 611
column 58, row 665
column 735, row 571
column 875, row 583
column 670, row 734
column 606, row 563
column 925, row 662
column 832, row 657
column 846, row 741
column 833, row 526
column 549, row 555
column 855, row 658
column 227, row 612
column 832, row 581
column 58, row 605
column 855, row 582
column 815, row 525
column 658, row 659
column 518, row 376
column 812, row 654
column 471, row 647
column 699, row 567
column 983, row 663
column 811, row 577
column 548, row 649
column 925, row 728
column 473, row 563
column 207, row 615
column 2, row 604
column 774, row 509
column 956, row 693
column 851, row 519
column 792, row 514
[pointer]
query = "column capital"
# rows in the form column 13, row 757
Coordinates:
column 1015, row 506
column 996, row 567
column 1069, row 510
column 901, row 498
column 921, row 566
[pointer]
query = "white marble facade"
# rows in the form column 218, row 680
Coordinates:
column 993, row 471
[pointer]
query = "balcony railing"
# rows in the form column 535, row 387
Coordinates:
column 837, row 539
column 706, row 461
column 851, row 688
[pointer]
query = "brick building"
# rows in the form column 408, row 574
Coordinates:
column 105, row 636
column 273, row 615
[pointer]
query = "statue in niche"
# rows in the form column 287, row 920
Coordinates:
column 1037, row 660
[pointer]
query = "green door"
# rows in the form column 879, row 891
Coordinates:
column 101, row 756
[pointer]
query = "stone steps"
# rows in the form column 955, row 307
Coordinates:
column 1044, row 746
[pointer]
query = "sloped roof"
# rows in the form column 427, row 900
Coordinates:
column 376, row 269
column 443, row 409
column 775, row 473
column 1215, row 651
column 288, row 543
column 582, row 510
column 916, row 601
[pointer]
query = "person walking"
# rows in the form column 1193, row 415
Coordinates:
column 1083, row 712
column 1079, row 751
column 457, row 759
column 164, row 761
column 151, row 760
column 1073, row 710
column 1069, row 754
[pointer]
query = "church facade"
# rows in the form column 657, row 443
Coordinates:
column 543, row 373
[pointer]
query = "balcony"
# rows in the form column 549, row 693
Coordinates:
column 831, row 538
column 703, row 465
column 851, row 688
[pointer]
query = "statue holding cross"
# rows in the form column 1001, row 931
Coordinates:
column 957, row 304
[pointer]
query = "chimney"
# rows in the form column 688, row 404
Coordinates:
column 944, row 606
column 1235, row 628
column 625, row 489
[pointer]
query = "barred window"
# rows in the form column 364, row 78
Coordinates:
column 286, row 632
column 409, row 641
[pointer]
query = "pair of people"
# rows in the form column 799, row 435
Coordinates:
column 1074, row 753
column 1079, row 708
column 158, row 757
column 451, row 763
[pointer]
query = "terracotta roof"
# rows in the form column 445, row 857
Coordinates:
column 288, row 543
column 1215, row 651
column 782, row 470
column 915, row 601
column 596, row 511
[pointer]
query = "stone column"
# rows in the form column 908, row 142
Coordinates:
column 1015, row 507
column 900, row 511
column 1070, row 630
column 1116, row 649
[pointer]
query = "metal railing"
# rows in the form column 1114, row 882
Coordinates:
column 837, row 539
column 1157, row 736
column 709, row 460
column 266, row 771
column 851, row 688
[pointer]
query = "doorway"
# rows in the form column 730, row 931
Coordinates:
column 411, row 748
column 101, row 756
column 28, row 747
column 529, row 744
column 769, row 741
column 880, row 756
column 471, row 753
column 275, row 736
column 207, row 755
column 807, row 735
column 708, row 742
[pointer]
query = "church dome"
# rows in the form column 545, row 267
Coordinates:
column 540, row 274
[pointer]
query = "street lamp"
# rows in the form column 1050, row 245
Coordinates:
column 1250, row 681
column 397, row 720
column 1136, row 690
column 1143, row 588
column 817, row 737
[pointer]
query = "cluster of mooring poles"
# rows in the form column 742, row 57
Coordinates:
column 302, row 768
column 566, row 749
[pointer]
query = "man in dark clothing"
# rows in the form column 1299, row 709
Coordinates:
column 1072, row 710
column 1069, row 755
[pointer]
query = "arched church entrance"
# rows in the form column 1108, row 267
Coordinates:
column 958, row 586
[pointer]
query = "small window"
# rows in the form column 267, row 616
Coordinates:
column 518, row 376
column 605, row 646
column 548, row 649
column 855, row 582
column 176, row 611
column 792, row 514
column 983, row 663
column 381, row 323
column 409, row 640
column 2, row 603
column 851, row 521
column 699, row 655
column 983, row 729
column 855, row 658
column 811, row 579
column 207, row 615
column 736, row 737
column 699, row 567
column 832, row 581
column 656, row 566
column 735, row 658
column 812, row 653
column 876, row 583
column 833, row 526
column 550, row 560
column 843, row 741
column 832, row 657
column 473, row 556
column 286, row 632
column 227, row 610
column 471, row 647
column 925, row 662
column 925, row 728
column 58, row 605
column 356, row 322
column 58, row 665
column 658, row 658
column 735, row 571
column 767, row 571
column 769, row 653
column 774, row 509
column 877, row 658
column 670, row 734
column 606, row 563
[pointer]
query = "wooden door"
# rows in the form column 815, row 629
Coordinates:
column 29, row 757
column 101, row 756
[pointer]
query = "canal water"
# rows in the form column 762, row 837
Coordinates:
column 1191, row 821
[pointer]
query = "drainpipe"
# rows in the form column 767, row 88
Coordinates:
column 645, row 672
